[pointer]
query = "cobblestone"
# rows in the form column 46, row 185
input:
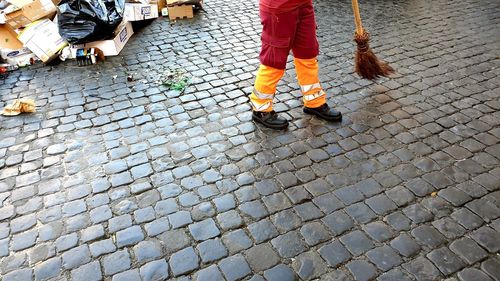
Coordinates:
column 137, row 173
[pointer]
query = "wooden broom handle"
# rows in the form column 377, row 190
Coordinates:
column 357, row 17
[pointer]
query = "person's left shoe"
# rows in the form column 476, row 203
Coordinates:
column 324, row 112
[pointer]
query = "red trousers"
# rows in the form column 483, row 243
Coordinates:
column 293, row 30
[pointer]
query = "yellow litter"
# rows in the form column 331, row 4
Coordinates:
column 19, row 106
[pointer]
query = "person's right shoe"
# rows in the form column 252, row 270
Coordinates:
column 324, row 112
column 270, row 119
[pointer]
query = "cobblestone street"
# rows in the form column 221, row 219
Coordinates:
column 125, row 180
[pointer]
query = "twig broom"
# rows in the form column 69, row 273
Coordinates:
column 367, row 65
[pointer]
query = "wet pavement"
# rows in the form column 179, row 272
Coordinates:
column 118, row 180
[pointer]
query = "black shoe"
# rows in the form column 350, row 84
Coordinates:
column 324, row 112
column 270, row 119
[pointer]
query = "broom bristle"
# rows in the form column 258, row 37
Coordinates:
column 367, row 65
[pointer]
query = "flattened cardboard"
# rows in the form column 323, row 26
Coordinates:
column 43, row 39
column 111, row 47
column 8, row 38
column 138, row 12
column 31, row 12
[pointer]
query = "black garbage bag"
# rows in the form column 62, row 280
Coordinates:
column 83, row 21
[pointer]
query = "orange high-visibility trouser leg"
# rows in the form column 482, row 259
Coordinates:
column 307, row 74
column 265, row 87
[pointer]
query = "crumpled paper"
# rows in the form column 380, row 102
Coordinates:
column 19, row 106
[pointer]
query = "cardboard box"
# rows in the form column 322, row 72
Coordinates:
column 43, row 39
column 138, row 12
column 111, row 47
column 161, row 4
column 8, row 38
column 21, row 57
column 35, row 10
column 182, row 11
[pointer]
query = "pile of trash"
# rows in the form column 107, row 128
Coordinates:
column 85, row 30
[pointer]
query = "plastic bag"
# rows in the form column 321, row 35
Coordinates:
column 83, row 21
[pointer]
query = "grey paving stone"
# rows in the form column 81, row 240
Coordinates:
column 280, row 273
column 184, row 261
column 147, row 250
column 361, row 270
column 468, row 250
column 488, row 238
column 314, row 233
column 422, row 269
column 266, row 187
column 129, row 236
column 210, row 273
column 417, row 213
column 467, row 219
column 144, row 215
column 338, row 222
column 360, row 213
column 446, row 261
column 88, row 272
column 309, row 265
column 262, row 231
column 157, row 226
column 19, row 275
column 128, row 275
column 92, row 233
column 289, row 244
column 455, row 196
column 405, row 245
column 229, row 220
column 356, row 242
column 154, row 270
column 116, row 262
column 253, row 209
column 204, row 230
column 429, row 236
column 334, row 253
column 118, row 223
column 297, row 194
column 234, row 267
column 491, row 267
column 66, row 242
column 470, row 274
column 328, row 203
column 76, row 257
column 381, row 204
column 166, row 207
column 102, row 247
column 394, row 275
column 224, row 203
column 449, row 228
column 174, row 240
column 308, row 211
column 261, row 257
column 211, row 250
column 349, row 195
column 236, row 241
column 276, row 202
column 286, row 220
column 180, row 219
column 384, row 258
column 4, row 247
column 48, row 269
column 379, row 231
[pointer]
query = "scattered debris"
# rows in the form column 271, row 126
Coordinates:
column 19, row 106
column 176, row 79
column 89, row 56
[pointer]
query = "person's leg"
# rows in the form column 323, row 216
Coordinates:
column 305, row 50
column 277, row 35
